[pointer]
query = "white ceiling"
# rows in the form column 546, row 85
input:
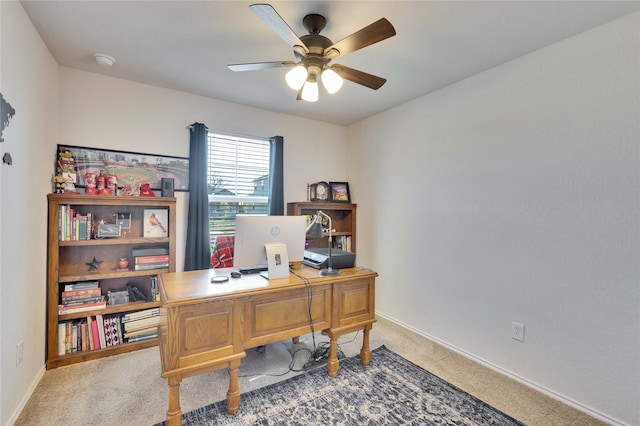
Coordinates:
column 186, row 45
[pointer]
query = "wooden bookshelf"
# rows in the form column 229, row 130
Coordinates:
column 343, row 220
column 68, row 263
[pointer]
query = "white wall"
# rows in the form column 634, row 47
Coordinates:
column 104, row 112
column 29, row 82
column 513, row 196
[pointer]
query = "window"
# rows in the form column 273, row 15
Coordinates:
column 237, row 180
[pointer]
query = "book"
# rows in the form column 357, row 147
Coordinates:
column 89, row 334
column 83, row 330
column 151, row 259
column 142, row 331
column 74, row 337
column 95, row 336
column 89, row 225
column 151, row 266
column 111, row 331
column 62, row 333
column 100, row 324
column 81, row 285
column 141, row 323
column 80, row 302
column 149, row 251
column 81, row 294
column 68, row 333
column 119, row 327
column 143, row 337
column 62, row 309
column 129, row 316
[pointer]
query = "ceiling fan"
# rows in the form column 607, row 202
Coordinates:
column 314, row 52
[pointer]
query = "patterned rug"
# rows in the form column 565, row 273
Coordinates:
column 391, row 391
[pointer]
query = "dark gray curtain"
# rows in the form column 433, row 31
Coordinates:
column 276, row 176
column 198, row 251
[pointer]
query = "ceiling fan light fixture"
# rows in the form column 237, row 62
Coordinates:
column 296, row 77
column 310, row 91
column 331, row 80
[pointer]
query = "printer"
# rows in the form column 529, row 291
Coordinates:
column 319, row 258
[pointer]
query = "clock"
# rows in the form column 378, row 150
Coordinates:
column 319, row 191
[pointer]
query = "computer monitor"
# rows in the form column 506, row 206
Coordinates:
column 254, row 231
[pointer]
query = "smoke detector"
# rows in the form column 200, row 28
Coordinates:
column 102, row 59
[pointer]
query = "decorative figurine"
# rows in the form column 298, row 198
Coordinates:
column 59, row 184
column 112, row 184
column 90, row 183
column 67, row 168
column 102, row 182
column 123, row 264
column 145, row 190
column 94, row 264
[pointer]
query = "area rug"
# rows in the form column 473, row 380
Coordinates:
column 391, row 391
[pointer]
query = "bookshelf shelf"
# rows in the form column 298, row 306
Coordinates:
column 76, row 357
column 111, row 309
column 70, row 262
column 107, row 275
column 114, row 241
column 343, row 220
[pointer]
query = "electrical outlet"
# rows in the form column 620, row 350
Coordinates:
column 19, row 352
column 517, row 331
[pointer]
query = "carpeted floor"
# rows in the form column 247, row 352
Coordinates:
column 390, row 391
column 128, row 389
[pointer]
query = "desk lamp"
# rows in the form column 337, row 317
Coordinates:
column 315, row 231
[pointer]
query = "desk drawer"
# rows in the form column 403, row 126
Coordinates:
column 353, row 302
column 205, row 331
column 285, row 314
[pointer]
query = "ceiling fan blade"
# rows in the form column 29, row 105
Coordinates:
column 373, row 33
column 257, row 66
column 269, row 16
column 360, row 77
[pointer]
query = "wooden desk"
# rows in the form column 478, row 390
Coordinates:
column 206, row 327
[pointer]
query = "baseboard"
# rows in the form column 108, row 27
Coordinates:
column 25, row 398
column 567, row 401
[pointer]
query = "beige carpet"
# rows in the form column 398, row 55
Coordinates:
column 128, row 390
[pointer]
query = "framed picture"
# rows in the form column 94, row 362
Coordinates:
column 156, row 223
column 340, row 192
column 132, row 169
column 124, row 220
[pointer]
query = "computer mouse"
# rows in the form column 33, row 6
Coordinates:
column 235, row 274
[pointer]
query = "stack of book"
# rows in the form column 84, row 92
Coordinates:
column 150, row 258
column 80, row 297
column 141, row 325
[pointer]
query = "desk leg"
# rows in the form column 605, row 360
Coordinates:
column 174, row 415
column 233, row 394
column 332, row 363
column 365, row 352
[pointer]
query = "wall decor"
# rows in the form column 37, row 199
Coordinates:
column 340, row 192
column 131, row 168
column 156, row 223
column 7, row 113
